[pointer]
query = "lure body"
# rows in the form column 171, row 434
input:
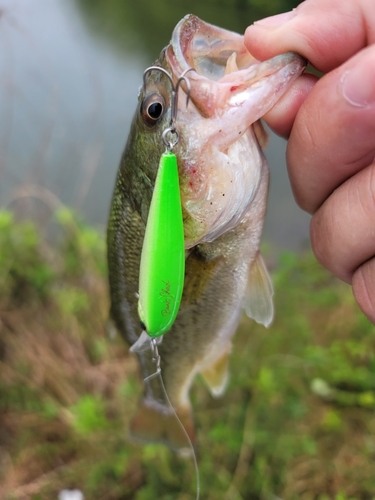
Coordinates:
column 162, row 265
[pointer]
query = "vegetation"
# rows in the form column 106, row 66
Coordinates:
column 296, row 422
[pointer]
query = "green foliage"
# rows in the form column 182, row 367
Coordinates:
column 296, row 422
column 29, row 271
column 83, row 243
column 89, row 415
column 72, row 299
column 24, row 270
column 19, row 397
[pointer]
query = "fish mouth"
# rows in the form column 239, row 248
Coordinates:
column 206, row 48
column 222, row 169
column 219, row 56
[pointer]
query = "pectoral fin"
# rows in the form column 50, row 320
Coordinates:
column 258, row 300
column 216, row 377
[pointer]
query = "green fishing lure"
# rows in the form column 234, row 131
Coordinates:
column 162, row 266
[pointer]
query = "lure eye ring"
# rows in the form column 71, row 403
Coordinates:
column 170, row 144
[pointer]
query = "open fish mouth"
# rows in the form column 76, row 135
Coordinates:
column 207, row 48
column 219, row 55
column 221, row 162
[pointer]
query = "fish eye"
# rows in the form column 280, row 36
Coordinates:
column 152, row 109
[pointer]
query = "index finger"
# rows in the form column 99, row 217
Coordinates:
column 325, row 32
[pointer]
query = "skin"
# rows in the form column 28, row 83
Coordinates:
column 330, row 126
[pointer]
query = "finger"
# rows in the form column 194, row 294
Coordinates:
column 333, row 135
column 327, row 33
column 281, row 117
column 363, row 284
column 343, row 229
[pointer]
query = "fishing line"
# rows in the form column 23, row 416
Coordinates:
column 158, row 374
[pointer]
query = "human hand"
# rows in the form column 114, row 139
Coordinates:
column 331, row 128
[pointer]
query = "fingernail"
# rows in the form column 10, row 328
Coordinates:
column 275, row 21
column 356, row 86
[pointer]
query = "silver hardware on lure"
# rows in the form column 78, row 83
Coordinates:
column 155, row 358
column 174, row 102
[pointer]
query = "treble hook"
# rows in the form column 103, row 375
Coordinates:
column 174, row 102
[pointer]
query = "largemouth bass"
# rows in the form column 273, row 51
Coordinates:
column 224, row 183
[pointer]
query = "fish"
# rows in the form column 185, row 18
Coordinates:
column 224, row 181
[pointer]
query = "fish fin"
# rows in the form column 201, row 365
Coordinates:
column 231, row 63
column 143, row 344
column 217, row 375
column 261, row 134
column 155, row 422
column 258, row 300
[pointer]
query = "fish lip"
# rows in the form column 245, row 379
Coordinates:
column 190, row 26
column 180, row 54
column 183, row 35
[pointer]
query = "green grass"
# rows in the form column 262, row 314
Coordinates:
column 296, row 422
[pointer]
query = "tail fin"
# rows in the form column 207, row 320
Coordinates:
column 155, row 422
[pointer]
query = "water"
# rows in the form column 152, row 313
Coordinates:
column 69, row 76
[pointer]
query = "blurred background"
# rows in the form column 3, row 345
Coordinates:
column 297, row 421
column 71, row 70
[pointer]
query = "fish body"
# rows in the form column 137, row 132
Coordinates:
column 223, row 183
